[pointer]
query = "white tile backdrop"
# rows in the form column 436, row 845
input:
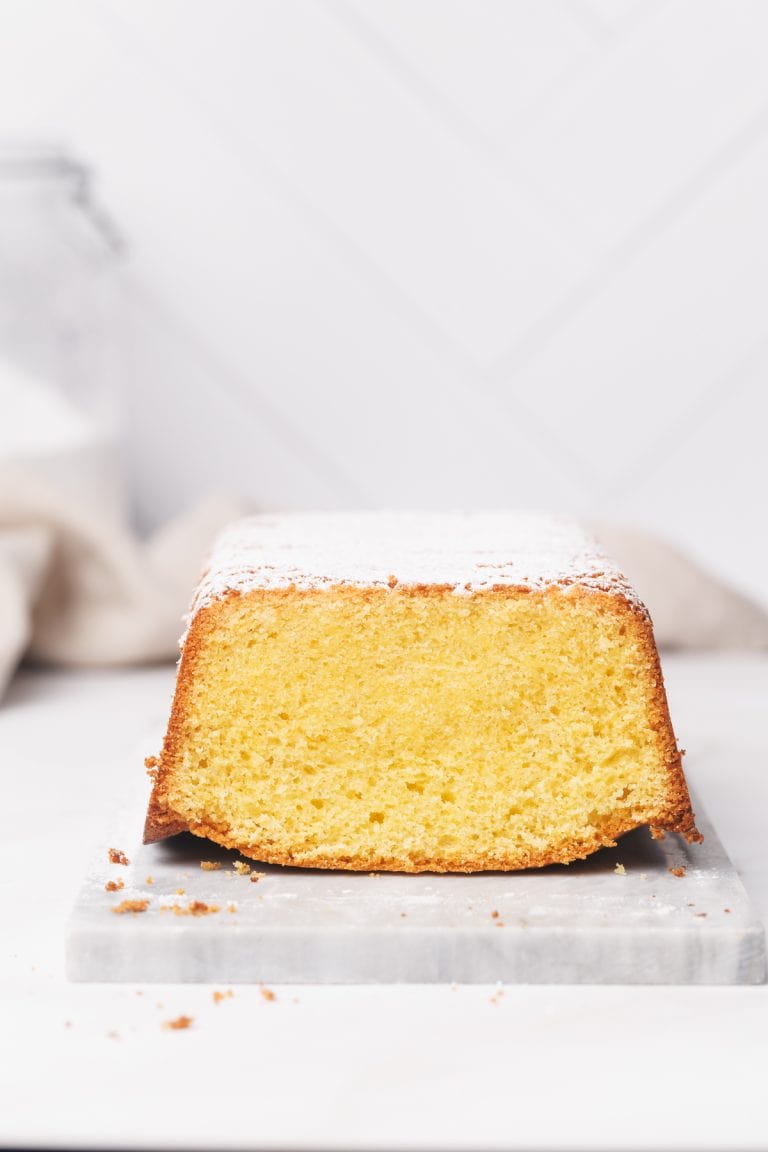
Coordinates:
column 431, row 252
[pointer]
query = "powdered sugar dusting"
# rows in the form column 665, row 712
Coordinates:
column 468, row 552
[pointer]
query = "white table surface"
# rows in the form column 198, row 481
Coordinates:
column 382, row 1067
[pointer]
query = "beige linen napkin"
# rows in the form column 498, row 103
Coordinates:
column 690, row 607
column 78, row 588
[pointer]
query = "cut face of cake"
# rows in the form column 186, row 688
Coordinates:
column 444, row 693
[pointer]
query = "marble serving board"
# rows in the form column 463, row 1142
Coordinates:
column 588, row 923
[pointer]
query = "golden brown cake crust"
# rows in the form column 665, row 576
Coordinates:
column 677, row 816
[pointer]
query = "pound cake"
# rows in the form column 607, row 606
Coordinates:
column 448, row 693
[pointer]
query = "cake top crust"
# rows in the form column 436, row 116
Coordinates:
column 466, row 552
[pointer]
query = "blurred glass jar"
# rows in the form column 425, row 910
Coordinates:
column 60, row 363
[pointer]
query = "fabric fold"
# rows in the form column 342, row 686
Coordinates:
column 79, row 588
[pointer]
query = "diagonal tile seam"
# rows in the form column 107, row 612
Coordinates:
column 248, row 400
column 608, row 33
column 439, row 106
column 620, row 256
column 640, row 22
column 737, row 379
column 379, row 45
column 464, row 127
column 434, row 336
column 588, row 18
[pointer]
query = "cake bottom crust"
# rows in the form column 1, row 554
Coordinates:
column 563, row 852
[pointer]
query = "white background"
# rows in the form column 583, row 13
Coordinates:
column 430, row 253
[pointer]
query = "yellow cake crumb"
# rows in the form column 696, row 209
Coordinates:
column 179, row 1023
column 210, row 865
column 194, row 908
column 132, row 906
column 620, row 870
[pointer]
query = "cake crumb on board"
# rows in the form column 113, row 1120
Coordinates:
column 117, row 857
column 114, row 885
column 178, row 1024
column 194, row 908
column 132, row 906
column 210, row 865
column 267, row 993
column 620, row 870
column 220, row 997
column 680, row 872
column 242, row 868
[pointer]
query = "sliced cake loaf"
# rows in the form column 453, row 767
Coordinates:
column 447, row 693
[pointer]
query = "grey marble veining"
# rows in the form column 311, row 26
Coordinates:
column 581, row 924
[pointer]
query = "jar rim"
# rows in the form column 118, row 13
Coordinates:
column 43, row 166
column 41, row 161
